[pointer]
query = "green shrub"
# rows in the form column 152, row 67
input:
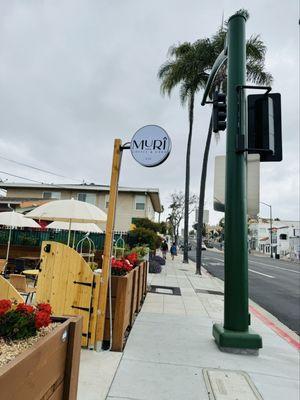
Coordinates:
column 143, row 237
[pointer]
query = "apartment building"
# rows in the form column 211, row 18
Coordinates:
column 132, row 202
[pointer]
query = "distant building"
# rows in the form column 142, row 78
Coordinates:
column 205, row 216
column 285, row 237
column 132, row 202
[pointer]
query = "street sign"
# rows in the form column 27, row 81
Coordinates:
column 253, row 178
column 150, row 145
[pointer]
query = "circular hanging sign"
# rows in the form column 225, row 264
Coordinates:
column 150, row 145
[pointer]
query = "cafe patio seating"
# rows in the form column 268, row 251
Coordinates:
column 20, row 284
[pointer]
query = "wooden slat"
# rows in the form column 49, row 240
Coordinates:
column 93, row 315
column 134, row 294
column 113, row 194
column 8, row 292
column 73, row 360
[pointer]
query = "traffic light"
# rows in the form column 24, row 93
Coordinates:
column 264, row 126
column 219, row 111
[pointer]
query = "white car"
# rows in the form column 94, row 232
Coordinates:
column 204, row 247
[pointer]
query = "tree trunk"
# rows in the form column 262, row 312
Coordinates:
column 201, row 200
column 187, row 182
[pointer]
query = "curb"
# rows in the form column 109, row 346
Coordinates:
column 269, row 320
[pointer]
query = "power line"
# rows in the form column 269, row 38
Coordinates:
column 52, row 185
column 38, row 169
column 20, row 177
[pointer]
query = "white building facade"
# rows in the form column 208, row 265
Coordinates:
column 285, row 238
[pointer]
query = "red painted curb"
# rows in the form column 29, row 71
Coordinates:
column 275, row 328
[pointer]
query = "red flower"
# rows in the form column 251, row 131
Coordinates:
column 44, row 307
column 25, row 308
column 132, row 258
column 5, row 305
column 42, row 318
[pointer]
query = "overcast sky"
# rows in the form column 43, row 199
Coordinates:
column 75, row 74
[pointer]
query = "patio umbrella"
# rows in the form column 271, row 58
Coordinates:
column 75, row 226
column 14, row 219
column 68, row 211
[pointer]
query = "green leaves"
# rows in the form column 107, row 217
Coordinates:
column 188, row 64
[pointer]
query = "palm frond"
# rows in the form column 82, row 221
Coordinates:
column 255, row 48
column 179, row 50
column 257, row 74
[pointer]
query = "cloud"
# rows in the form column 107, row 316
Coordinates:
column 74, row 75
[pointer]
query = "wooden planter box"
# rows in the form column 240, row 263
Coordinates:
column 145, row 263
column 135, row 289
column 128, row 293
column 121, row 310
column 49, row 369
column 140, row 288
column 142, row 285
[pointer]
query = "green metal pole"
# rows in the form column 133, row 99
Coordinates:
column 235, row 333
column 236, row 254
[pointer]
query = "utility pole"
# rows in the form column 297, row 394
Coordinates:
column 235, row 336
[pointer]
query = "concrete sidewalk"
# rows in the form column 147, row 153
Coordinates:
column 171, row 344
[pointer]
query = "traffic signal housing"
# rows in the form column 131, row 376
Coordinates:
column 219, row 111
column 264, row 126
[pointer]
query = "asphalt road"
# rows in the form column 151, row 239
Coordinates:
column 273, row 284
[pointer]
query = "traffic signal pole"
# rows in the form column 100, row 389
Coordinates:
column 235, row 335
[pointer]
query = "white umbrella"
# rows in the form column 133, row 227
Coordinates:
column 75, row 226
column 68, row 211
column 14, row 219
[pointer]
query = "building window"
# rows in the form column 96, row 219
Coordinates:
column 87, row 197
column 283, row 236
column 106, row 200
column 52, row 195
column 140, row 202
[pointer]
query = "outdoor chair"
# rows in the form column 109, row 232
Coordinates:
column 2, row 266
column 19, row 282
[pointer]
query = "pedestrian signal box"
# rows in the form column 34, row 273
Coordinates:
column 264, row 126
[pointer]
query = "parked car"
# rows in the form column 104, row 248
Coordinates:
column 204, row 247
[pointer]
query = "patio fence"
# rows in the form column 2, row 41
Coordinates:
column 28, row 237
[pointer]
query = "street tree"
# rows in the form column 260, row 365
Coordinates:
column 255, row 73
column 186, row 67
column 177, row 210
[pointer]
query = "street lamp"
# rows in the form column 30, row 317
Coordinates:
column 269, row 205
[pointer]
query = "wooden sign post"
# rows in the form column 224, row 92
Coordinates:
column 150, row 146
column 109, row 236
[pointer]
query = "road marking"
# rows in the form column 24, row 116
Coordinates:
column 257, row 262
column 214, row 258
column 260, row 273
column 275, row 266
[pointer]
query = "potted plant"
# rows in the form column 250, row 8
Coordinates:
column 39, row 356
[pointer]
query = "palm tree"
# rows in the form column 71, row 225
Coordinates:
column 186, row 67
column 255, row 71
